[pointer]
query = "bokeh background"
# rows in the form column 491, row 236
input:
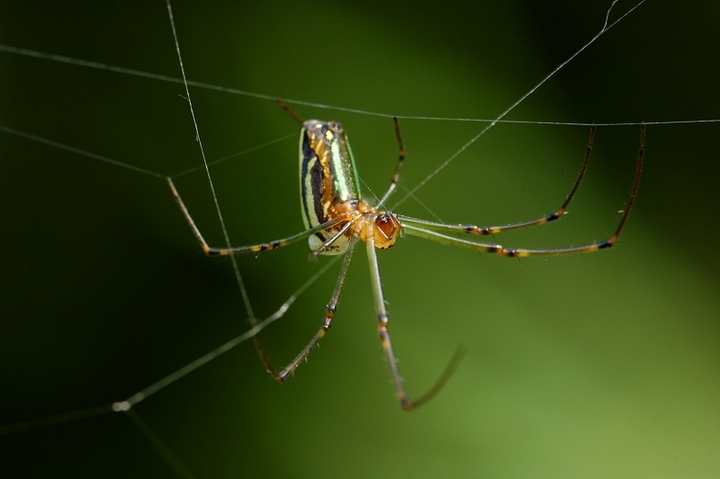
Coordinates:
column 603, row 365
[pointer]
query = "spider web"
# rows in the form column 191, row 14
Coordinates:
column 106, row 293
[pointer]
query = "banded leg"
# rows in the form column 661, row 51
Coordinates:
column 415, row 230
column 258, row 248
column 490, row 230
column 401, row 159
column 327, row 322
column 383, row 320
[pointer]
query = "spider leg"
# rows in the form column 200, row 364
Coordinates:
column 406, row 402
column 258, row 248
column 412, row 229
column 289, row 111
column 327, row 322
column 327, row 244
column 490, row 230
column 398, row 166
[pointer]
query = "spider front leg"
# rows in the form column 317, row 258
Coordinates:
column 406, row 402
column 327, row 322
column 412, row 228
column 491, row 230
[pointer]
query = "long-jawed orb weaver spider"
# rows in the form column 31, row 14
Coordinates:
column 336, row 217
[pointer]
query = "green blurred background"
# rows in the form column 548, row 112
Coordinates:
column 602, row 365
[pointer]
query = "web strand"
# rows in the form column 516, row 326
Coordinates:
column 236, row 269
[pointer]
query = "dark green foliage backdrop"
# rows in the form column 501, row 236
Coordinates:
column 602, row 365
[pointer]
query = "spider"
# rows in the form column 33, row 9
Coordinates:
column 336, row 217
